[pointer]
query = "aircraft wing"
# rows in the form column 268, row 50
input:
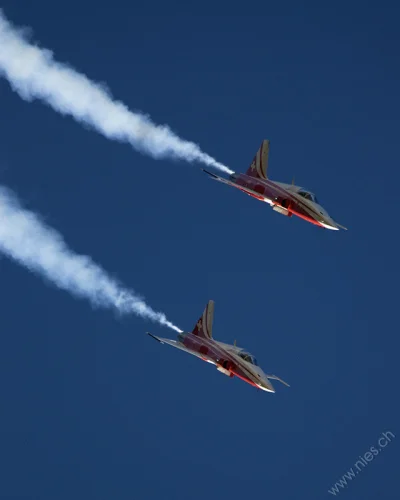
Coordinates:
column 220, row 179
column 163, row 341
column 178, row 345
column 248, row 191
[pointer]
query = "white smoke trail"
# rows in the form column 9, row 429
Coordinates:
column 26, row 239
column 33, row 73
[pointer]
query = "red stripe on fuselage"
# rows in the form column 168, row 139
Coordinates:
column 245, row 379
column 295, row 201
column 244, row 190
column 306, row 217
column 302, row 216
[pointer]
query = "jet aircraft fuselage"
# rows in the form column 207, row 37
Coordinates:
column 229, row 359
column 286, row 199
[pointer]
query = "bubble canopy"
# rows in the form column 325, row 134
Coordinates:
column 308, row 195
column 248, row 357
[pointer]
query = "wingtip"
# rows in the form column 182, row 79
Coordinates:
column 154, row 337
column 210, row 173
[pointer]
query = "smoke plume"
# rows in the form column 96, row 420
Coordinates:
column 25, row 238
column 34, row 74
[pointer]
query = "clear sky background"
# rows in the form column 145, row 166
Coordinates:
column 92, row 408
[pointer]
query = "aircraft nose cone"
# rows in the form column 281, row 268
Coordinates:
column 325, row 219
column 266, row 385
column 329, row 223
column 332, row 228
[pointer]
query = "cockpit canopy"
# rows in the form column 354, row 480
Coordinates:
column 248, row 357
column 308, row 196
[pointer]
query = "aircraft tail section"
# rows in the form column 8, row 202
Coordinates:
column 259, row 166
column 203, row 327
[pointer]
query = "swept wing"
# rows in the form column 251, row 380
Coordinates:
column 179, row 345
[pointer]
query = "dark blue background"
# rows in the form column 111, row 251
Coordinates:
column 92, row 408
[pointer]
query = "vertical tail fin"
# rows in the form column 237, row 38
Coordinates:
column 203, row 327
column 259, row 165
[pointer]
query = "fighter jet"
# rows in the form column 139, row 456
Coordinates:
column 229, row 359
column 286, row 199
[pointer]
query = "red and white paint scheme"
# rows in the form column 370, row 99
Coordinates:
column 287, row 199
column 229, row 359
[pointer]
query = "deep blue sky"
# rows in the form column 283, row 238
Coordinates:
column 92, row 408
